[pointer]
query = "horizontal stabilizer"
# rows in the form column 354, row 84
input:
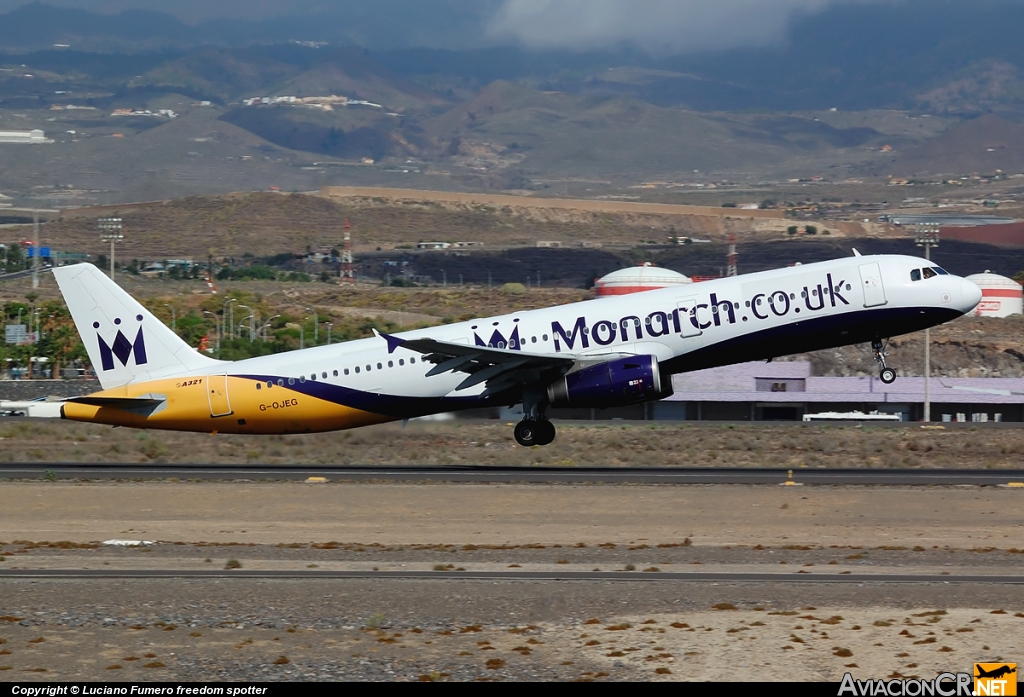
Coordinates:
column 145, row 405
column 117, row 402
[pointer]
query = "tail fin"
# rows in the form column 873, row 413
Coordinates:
column 126, row 343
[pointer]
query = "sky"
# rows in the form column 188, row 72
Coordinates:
column 655, row 26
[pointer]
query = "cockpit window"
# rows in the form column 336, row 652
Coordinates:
column 915, row 275
column 941, row 271
column 928, row 273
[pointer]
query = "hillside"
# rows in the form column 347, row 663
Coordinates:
column 986, row 144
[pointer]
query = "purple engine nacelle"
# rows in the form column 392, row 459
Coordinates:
column 617, row 383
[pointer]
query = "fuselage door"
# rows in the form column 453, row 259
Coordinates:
column 217, row 391
column 688, row 322
column 871, row 283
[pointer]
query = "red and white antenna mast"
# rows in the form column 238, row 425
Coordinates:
column 730, row 261
column 347, row 274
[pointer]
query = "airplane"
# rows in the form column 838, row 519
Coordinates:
column 608, row 352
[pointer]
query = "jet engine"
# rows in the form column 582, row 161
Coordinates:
column 621, row 382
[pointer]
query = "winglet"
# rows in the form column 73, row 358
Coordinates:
column 855, row 252
column 393, row 341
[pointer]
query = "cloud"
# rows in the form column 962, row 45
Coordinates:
column 656, row 26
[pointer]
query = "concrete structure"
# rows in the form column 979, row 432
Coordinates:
column 636, row 279
column 952, row 219
column 1000, row 296
column 33, row 136
column 1009, row 234
column 785, row 391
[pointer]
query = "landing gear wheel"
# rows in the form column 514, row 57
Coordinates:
column 526, row 433
column 887, row 375
column 545, row 432
column 530, row 432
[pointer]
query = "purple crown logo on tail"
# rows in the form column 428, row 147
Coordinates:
column 121, row 347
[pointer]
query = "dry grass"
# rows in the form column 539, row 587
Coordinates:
column 686, row 444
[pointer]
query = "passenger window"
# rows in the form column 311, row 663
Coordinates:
column 412, row 361
column 291, row 381
column 380, row 367
column 259, row 385
column 313, row 377
column 335, row 373
column 533, row 340
column 545, row 337
column 325, row 374
column 346, row 371
column 302, row 378
column 915, row 275
column 357, row 369
column 368, row 367
column 270, row 383
column 928, row 273
column 280, row 382
column 391, row 364
column 401, row 361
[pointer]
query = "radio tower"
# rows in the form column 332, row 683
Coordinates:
column 347, row 274
column 730, row 260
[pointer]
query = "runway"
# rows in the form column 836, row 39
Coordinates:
column 519, row 475
column 596, row 576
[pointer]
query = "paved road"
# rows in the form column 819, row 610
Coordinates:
column 597, row 475
column 787, row 578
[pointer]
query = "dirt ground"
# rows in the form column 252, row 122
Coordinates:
column 649, row 444
column 321, row 629
column 509, row 514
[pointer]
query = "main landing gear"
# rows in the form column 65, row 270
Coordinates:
column 538, row 431
column 887, row 375
column 534, row 429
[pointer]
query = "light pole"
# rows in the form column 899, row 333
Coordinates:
column 928, row 237
column 302, row 337
column 263, row 329
column 227, row 325
column 174, row 318
column 38, row 250
column 216, row 322
column 316, row 326
column 244, row 319
column 110, row 231
column 330, row 325
column 239, row 325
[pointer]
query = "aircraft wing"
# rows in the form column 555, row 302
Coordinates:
column 501, row 369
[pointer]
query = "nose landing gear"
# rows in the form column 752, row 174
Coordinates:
column 887, row 375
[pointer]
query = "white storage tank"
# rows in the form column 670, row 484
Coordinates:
column 1000, row 296
column 636, row 279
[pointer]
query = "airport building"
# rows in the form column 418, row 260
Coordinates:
column 33, row 136
column 786, row 391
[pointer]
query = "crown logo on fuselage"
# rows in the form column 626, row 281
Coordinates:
column 499, row 341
